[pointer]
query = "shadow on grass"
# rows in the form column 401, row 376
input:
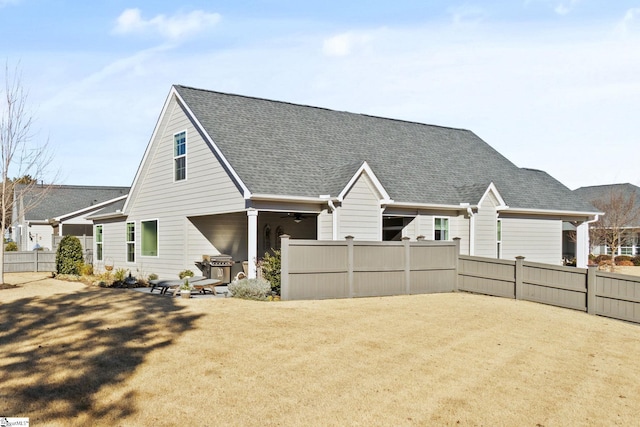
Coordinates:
column 59, row 352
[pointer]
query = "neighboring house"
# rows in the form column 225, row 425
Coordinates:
column 228, row 174
column 631, row 245
column 42, row 211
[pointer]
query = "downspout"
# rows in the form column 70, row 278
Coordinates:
column 472, row 231
column 334, row 219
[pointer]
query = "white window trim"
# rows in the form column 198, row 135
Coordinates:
column 186, row 152
column 157, row 255
column 127, row 242
column 96, row 243
column 499, row 226
column 448, row 228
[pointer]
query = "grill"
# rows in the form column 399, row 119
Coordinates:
column 216, row 267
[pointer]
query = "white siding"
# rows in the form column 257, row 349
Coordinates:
column 207, row 190
column 325, row 225
column 113, row 247
column 422, row 225
column 360, row 215
column 459, row 227
column 538, row 240
column 40, row 234
column 486, row 228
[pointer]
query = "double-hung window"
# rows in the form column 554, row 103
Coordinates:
column 131, row 242
column 98, row 238
column 440, row 228
column 149, row 238
column 180, row 156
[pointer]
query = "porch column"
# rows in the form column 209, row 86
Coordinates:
column 252, row 243
column 582, row 245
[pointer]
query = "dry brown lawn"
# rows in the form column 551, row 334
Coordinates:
column 76, row 355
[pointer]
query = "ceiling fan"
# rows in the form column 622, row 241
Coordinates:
column 297, row 217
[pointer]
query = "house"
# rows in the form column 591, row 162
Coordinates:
column 593, row 194
column 41, row 212
column 229, row 174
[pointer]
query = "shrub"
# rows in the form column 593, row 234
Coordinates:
column 271, row 266
column 598, row 260
column 185, row 273
column 625, row 263
column 621, row 258
column 120, row 275
column 11, row 247
column 636, row 260
column 253, row 289
column 69, row 258
column 86, row 270
column 152, row 276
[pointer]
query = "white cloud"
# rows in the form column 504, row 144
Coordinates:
column 630, row 21
column 171, row 27
column 344, row 44
column 561, row 8
column 467, row 15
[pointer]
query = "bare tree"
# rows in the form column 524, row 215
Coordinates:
column 621, row 214
column 21, row 156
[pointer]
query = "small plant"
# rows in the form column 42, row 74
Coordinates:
column 185, row 273
column 253, row 289
column 11, row 247
column 271, row 266
column 636, row 260
column 185, row 286
column 152, row 276
column 120, row 275
column 69, row 256
column 86, row 270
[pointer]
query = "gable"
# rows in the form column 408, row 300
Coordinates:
column 208, row 187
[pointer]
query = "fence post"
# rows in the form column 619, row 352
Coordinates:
column 519, row 278
column 591, row 289
column 35, row 261
column 350, row 265
column 284, row 267
column 407, row 265
column 456, row 240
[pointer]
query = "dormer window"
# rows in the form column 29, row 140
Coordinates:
column 180, row 156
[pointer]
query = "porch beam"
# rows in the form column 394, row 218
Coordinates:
column 582, row 245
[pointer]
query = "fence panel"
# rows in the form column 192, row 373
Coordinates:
column 555, row 285
column 27, row 261
column 342, row 269
column 618, row 296
column 487, row 276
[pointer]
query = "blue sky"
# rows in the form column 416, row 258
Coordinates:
column 550, row 84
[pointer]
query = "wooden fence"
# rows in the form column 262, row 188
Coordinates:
column 23, row 261
column 343, row 269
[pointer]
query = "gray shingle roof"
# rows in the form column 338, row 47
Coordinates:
column 593, row 193
column 64, row 199
column 288, row 149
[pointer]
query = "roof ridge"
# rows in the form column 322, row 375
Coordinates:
column 322, row 108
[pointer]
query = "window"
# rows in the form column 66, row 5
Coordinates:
column 441, row 229
column 131, row 242
column 180, row 155
column 98, row 238
column 499, row 238
column 149, row 238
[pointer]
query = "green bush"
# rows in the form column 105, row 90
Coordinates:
column 253, row 289
column 11, row 247
column 69, row 257
column 271, row 267
column 636, row 260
